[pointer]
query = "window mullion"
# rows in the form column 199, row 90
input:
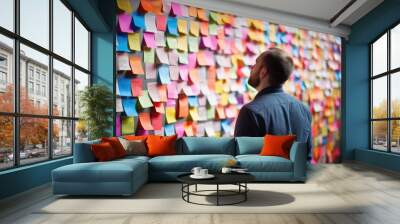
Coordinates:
column 389, row 101
column 16, row 84
column 50, row 81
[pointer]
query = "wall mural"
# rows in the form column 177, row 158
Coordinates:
column 183, row 70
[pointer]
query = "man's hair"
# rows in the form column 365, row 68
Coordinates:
column 279, row 65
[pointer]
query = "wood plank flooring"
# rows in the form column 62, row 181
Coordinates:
column 354, row 182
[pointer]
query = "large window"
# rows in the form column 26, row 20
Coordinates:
column 385, row 93
column 44, row 64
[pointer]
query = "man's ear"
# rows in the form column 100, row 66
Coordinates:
column 263, row 72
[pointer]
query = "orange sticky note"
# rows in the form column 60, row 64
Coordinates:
column 154, row 6
column 202, row 14
column 194, row 28
column 183, row 106
column 162, row 91
column 204, row 28
column 136, row 65
column 192, row 11
column 159, row 107
column 221, row 112
column 194, row 76
column 190, row 128
column 145, row 121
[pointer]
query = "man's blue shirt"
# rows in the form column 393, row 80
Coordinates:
column 277, row 113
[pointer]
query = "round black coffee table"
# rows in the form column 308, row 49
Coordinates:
column 238, row 179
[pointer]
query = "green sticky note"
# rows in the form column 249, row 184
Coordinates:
column 128, row 125
column 183, row 58
column 144, row 100
column 212, row 29
column 210, row 112
column 172, row 42
column 193, row 44
column 148, row 55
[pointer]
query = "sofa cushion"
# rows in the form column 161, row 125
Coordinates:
column 103, row 152
column 257, row 163
column 161, row 145
column 83, row 152
column 277, row 145
column 207, row 145
column 249, row 145
column 185, row 163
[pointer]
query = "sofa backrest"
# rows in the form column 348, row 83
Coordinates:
column 249, row 145
column 206, row 145
column 83, row 153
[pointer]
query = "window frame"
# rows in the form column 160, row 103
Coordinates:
column 16, row 115
column 388, row 74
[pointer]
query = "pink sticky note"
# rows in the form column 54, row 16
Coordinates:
column 183, row 72
column 124, row 22
column 174, row 72
column 210, row 58
column 179, row 129
column 171, row 102
column 173, row 58
column 172, row 91
column 156, row 120
column 192, row 60
column 161, row 22
column 176, row 9
column 214, row 42
column 149, row 40
column 206, row 41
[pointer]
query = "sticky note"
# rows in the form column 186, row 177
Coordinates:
column 175, row 9
column 182, row 43
column 204, row 28
column 128, row 125
column 172, row 91
column 150, row 70
column 123, row 62
column 174, row 72
column 160, row 39
column 172, row 26
column 182, row 26
column 162, row 56
column 129, row 105
column 136, row 85
column 124, row 5
column 118, row 105
column 134, row 41
column 136, row 65
column 159, row 107
column 149, row 56
column 221, row 112
column 192, row 57
column 172, row 42
column 193, row 44
column 162, row 90
column 202, row 14
column 138, row 21
column 161, row 22
column 183, row 106
column 149, row 40
column 173, row 57
column 156, row 120
column 163, row 74
column 194, row 28
column 122, row 42
column 212, row 29
column 153, row 91
column 194, row 76
column 183, row 58
column 179, row 130
column 189, row 128
column 124, row 86
column 193, row 102
column 169, row 129
column 170, row 115
column 145, row 121
column 154, row 6
column 144, row 100
column 124, row 23
column 150, row 22
column 118, row 124
column 183, row 72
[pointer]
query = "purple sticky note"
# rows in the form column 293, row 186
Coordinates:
column 176, row 9
column 149, row 40
column 192, row 60
column 118, row 125
column 124, row 22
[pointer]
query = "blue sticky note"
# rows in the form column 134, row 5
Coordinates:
column 163, row 74
column 138, row 21
column 172, row 26
column 124, row 86
column 169, row 129
column 129, row 105
column 226, row 126
column 122, row 42
column 193, row 101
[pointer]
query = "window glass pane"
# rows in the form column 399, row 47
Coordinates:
column 395, row 136
column 34, row 97
column 7, row 14
column 35, row 21
column 81, row 131
column 33, row 139
column 379, row 97
column 62, row 89
column 62, row 29
column 395, row 47
column 6, row 142
column 379, row 55
column 81, row 81
column 81, row 45
column 6, row 74
column 379, row 135
column 395, row 94
column 62, row 138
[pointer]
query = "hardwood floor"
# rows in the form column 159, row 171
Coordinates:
column 354, row 182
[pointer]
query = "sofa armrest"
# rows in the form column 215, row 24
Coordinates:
column 298, row 155
column 83, row 152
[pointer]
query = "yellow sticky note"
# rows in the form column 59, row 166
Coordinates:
column 182, row 26
column 128, row 125
column 194, row 28
column 125, row 5
column 172, row 42
column 170, row 115
column 223, row 100
column 134, row 41
column 183, row 43
column 194, row 114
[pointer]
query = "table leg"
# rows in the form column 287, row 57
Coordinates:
column 196, row 188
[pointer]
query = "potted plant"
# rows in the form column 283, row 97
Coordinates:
column 96, row 103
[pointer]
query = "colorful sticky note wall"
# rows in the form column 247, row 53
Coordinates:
column 183, row 70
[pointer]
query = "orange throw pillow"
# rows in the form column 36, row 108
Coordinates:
column 161, row 145
column 103, row 152
column 277, row 145
column 135, row 137
column 116, row 145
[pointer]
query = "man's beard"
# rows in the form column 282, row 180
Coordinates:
column 254, row 82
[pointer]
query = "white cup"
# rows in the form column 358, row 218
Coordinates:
column 226, row 170
column 203, row 172
column 196, row 171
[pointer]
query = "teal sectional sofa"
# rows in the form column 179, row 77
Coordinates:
column 125, row 176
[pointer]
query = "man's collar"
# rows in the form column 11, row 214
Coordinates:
column 271, row 89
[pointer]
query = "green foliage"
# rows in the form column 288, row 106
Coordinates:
column 97, row 102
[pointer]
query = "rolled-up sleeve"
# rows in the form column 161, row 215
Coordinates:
column 247, row 123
